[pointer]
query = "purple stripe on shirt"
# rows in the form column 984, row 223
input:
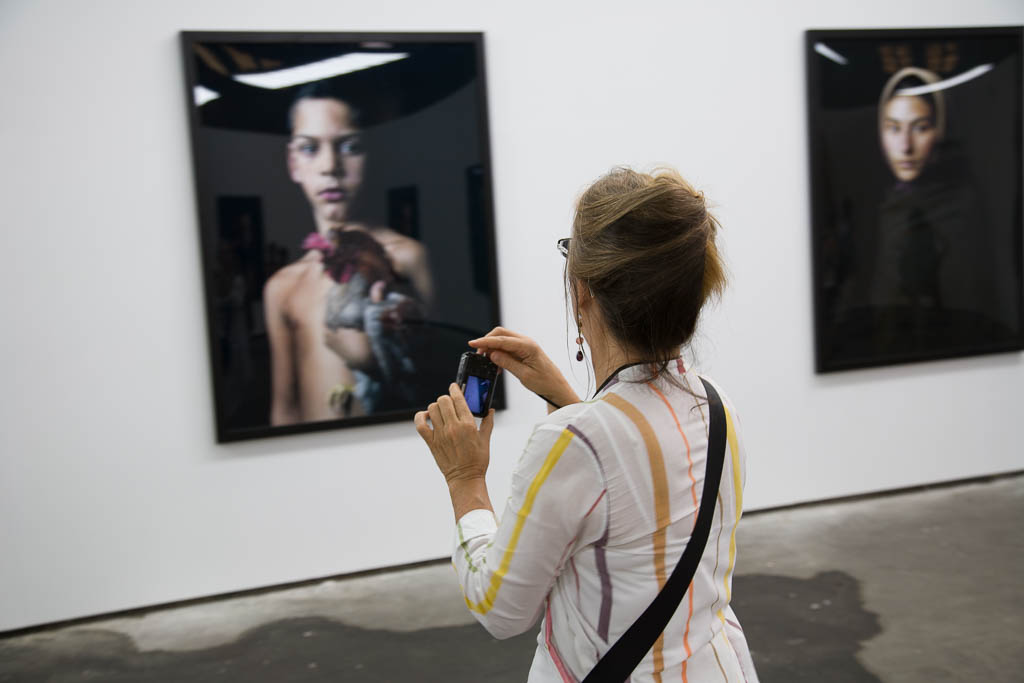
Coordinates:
column 606, row 586
column 600, row 558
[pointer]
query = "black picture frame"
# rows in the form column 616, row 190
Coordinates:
column 915, row 185
column 413, row 114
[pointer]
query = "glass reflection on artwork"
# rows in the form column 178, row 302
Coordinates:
column 345, row 217
column 916, row 194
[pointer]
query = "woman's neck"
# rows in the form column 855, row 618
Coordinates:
column 606, row 355
column 605, row 365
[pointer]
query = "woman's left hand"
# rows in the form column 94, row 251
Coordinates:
column 461, row 450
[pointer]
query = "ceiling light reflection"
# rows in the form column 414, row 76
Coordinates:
column 947, row 83
column 203, row 95
column 828, row 53
column 327, row 68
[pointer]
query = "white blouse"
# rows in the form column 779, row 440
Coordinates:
column 602, row 504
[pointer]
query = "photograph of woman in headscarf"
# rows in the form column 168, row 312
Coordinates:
column 919, row 241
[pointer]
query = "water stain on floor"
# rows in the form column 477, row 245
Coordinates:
column 804, row 630
column 307, row 650
column 798, row 630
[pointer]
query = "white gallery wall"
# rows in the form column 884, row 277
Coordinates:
column 113, row 494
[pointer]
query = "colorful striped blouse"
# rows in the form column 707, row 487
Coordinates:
column 602, row 504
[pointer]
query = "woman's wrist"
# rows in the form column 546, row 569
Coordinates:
column 564, row 399
column 552, row 406
column 562, row 395
column 555, row 389
column 468, row 494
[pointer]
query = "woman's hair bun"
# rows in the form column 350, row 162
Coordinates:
column 644, row 244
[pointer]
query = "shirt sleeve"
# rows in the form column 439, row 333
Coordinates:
column 507, row 568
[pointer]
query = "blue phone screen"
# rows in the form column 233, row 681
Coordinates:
column 476, row 393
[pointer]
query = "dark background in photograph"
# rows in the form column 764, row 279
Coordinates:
column 961, row 259
column 422, row 126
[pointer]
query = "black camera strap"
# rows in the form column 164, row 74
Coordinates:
column 628, row 651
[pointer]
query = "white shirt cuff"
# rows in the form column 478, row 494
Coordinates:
column 474, row 523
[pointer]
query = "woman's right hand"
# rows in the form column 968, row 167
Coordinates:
column 521, row 356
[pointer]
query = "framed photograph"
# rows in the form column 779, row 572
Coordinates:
column 343, row 272
column 915, row 160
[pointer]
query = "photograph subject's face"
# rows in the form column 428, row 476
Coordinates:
column 326, row 157
column 908, row 136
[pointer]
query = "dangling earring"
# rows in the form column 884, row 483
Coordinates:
column 579, row 339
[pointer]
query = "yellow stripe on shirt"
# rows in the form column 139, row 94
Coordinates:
column 737, row 484
column 485, row 605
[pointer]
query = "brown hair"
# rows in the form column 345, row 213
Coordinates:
column 644, row 246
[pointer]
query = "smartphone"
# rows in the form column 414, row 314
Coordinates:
column 477, row 378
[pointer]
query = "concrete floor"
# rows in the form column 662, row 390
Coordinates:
column 919, row 586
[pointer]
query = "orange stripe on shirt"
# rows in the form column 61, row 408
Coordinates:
column 693, row 494
column 689, row 459
column 662, row 515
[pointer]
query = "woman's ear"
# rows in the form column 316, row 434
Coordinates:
column 579, row 296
